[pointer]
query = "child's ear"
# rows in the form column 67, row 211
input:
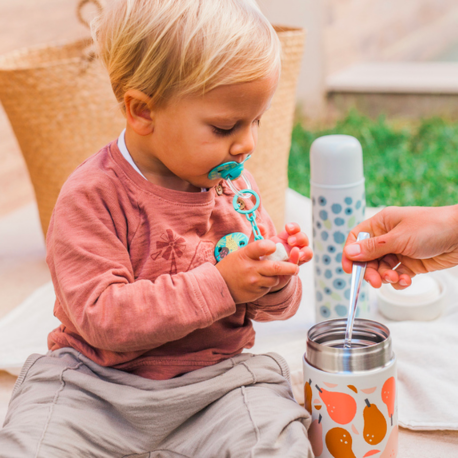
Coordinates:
column 138, row 112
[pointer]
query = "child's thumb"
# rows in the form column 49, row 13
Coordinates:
column 260, row 248
column 370, row 249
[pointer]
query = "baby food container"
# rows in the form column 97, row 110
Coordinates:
column 351, row 392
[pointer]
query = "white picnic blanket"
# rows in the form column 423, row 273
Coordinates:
column 427, row 352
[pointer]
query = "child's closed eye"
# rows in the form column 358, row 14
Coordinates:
column 225, row 132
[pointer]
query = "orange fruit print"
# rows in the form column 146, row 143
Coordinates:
column 389, row 396
column 341, row 406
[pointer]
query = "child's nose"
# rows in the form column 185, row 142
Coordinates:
column 244, row 143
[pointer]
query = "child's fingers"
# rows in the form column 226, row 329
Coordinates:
column 299, row 239
column 306, row 255
column 278, row 268
column 259, row 248
column 295, row 255
column 292, row 228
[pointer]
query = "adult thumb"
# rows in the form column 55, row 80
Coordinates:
column 370, row 249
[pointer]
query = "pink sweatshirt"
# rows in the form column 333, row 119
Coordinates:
column 134, row 273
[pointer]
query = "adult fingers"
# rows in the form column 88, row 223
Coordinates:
column 370, row 249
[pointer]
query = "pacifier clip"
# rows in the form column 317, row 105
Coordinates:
column 231, row 242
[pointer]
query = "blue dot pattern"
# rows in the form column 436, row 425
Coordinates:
column 336, row 208
column 325, row 312
column 339, row 237
column 339, row 283
column 341, row 310
column 339, row 221
column 333, row 212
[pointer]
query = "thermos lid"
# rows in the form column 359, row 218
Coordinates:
column 336, row 160
column 370, row 346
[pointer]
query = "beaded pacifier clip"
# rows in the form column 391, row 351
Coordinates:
column 230, row 171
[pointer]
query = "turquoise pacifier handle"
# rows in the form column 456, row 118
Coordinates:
column 250, row 214
column 228, row 171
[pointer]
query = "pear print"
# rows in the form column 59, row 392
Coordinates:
column 389, row 396
column 308, row 396
column 341, row 406
column 371, row 452
column 391, row 448
column 338, row 441
column 316, row 436
column 374, row 424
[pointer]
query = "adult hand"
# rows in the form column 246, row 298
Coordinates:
column 422, row 239
column 249, row 278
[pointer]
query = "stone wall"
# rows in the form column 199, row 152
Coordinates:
column 377, row 30
column 344, row 32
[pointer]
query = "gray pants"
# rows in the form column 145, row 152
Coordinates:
column 64, row 405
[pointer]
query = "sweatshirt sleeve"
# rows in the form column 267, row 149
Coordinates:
column 88, row 256
column 282, row 304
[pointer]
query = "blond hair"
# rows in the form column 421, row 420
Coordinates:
column 167, row 48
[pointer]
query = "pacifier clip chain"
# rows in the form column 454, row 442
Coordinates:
column 231, row 242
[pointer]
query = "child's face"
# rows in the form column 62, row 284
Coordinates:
column 192, row 135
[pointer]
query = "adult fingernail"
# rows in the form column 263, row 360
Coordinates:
column 292, row 240
column 353, row 250
column 403, row 283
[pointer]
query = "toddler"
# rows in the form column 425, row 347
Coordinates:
column 148, row 359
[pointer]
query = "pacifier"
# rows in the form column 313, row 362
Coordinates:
column 230, row 171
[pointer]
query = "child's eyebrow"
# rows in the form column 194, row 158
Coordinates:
column 232, row 119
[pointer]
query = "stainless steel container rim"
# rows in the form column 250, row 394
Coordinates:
column 371, row 346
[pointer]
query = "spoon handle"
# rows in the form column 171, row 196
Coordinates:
column 357, row 276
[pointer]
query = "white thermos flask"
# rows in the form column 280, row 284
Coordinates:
column 338, row 200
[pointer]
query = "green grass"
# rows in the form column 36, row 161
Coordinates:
column 413, row 164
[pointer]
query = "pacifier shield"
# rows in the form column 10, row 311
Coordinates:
column 229, row 243
column 229, row 170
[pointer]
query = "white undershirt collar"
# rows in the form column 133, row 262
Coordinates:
column 125, row 152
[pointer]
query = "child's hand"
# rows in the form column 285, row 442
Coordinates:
column 249, row 278
column 295, row 242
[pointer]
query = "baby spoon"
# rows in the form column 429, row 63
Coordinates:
column 357, row 276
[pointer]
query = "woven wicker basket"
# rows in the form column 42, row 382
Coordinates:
column 62, row 109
